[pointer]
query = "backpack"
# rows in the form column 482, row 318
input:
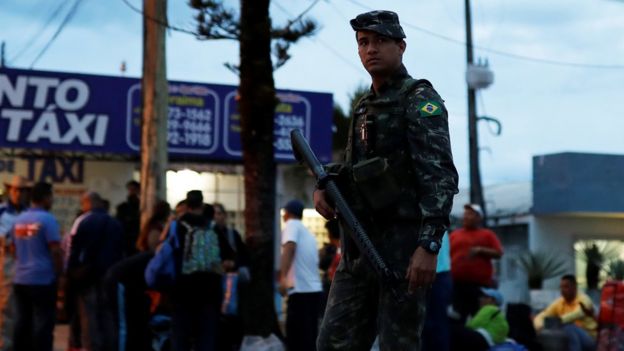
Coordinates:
column 160, row 273
column 201, row 251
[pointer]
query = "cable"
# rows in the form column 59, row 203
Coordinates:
column 162, row 23
column 324, row 44
column 302, row 13
column 66, row 20
column 503, row 53
column 42, row 29
column 339, row 56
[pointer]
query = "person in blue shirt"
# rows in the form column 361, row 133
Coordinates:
column 35, row 238
column 17, row 202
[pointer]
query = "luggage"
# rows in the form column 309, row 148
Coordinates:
column 611, row 317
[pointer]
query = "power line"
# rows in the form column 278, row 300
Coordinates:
column 66, row 20
column 42, row 29
column 298, row 18
column 503, row 53
column 323, row 43
column 162, row 23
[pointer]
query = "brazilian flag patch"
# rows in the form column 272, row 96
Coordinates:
column 429, row 109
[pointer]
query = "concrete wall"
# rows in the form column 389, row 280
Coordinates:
column 558, row 234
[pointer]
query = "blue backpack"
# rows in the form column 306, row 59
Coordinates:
column 508, row 346
column 160, row 273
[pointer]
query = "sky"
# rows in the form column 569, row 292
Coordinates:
column 544, row 107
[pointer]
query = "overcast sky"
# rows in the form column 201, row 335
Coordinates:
column 544, row 108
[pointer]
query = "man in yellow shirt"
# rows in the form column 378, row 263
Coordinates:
column 576, row 312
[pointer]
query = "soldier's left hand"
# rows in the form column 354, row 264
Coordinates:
column 421, row 270
column 283, row 287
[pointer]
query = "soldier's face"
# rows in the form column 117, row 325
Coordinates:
column 379, row 54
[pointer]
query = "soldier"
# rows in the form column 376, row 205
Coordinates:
column 400, row 180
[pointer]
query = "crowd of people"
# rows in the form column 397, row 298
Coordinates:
column 97, row 270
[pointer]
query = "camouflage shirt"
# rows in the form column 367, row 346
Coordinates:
column 406, row 123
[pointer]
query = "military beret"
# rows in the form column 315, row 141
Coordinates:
column 381, row 22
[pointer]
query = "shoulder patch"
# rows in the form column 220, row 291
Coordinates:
column 429, row 109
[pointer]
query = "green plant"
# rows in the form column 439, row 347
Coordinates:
column 540, row 266
column 596, row 254
column 616, row 269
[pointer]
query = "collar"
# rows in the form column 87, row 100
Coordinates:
column 395, row 81
column 15, row 209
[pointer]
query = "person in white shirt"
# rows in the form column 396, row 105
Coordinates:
column 300, row 280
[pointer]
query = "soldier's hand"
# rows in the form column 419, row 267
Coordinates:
column 421, row 270
column 283, row 287
column 322, row 206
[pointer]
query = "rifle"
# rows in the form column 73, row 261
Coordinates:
column 304, row 154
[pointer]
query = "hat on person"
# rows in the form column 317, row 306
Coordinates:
column 493, row 293
column 474, row 207
column 381, row 22
column 18, row 182
column 294, row 207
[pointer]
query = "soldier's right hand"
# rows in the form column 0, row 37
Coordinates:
column 322, row 205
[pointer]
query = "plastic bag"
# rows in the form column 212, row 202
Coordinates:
column 258, row 343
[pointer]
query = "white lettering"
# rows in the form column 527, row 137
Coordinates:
column 15, row 94
column 42, row 86
column 62, row 98
column 15, row 118
column 46, row 127
column 100, row 130
column 78, row 128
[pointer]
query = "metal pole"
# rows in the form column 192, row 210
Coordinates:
column 476, row 190
column 2, row 54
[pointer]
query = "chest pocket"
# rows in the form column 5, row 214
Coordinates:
column 389, row 126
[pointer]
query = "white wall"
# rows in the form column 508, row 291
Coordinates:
column 558, row 234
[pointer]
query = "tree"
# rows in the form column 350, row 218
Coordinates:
column 257, row 101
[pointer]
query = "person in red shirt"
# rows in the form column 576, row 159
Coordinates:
column 472, row 251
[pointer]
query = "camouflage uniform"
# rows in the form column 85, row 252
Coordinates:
column 400, row 179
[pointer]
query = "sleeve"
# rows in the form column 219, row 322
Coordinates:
column 578, row 312
column 290, row 233
column 551, row 310
column 494, row 243
column 573, row 315
column 430, row 151
column 76, row 244
column 52, row 231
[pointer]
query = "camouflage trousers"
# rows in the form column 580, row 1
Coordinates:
column 7, row 300
column 359, row 307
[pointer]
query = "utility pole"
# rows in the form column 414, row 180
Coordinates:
column 155, row 107
column 476, row 190
column 2, row 55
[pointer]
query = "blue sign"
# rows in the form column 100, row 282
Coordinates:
column 90, row 113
